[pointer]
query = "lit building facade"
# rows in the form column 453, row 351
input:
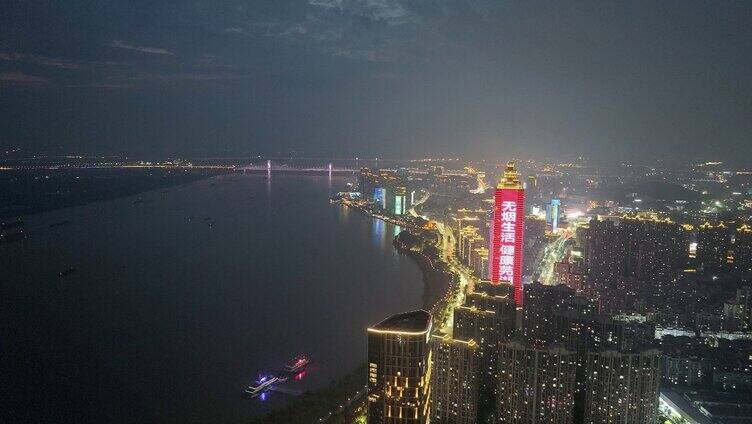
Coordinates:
column 643, row 249
column 488, row 318
column 535, row 385
column 479, row 264
column 604, row 251
column 507, row 232
column 481, row 325
column 743, row 250
column 400, row 200
column 656, row 248
column 738, row 311
column 379, row 197
column 622, row 388
column 543, row 303
column 399, row 369
column 552, row 214
column 713, row 245
column 570, row 273
column 534, row 243
column 678, row 370
column 454, row 380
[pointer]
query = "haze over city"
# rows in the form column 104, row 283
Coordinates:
column 389, row 78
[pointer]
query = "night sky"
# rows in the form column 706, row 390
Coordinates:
column 479, row 78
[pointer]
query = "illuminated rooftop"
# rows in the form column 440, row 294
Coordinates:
column 446, row 338
column 707, row 226
column 647, row 216
column 511, row 178
column 414, row 322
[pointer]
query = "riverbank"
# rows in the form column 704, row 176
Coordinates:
column 313, row 407
column 28, row 192
column 438, row 281
column 421, row 240
column 405, row 221
column 439, row 286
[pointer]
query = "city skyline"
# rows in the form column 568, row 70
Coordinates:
column 376, row 211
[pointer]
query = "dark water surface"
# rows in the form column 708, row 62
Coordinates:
column 180, row 296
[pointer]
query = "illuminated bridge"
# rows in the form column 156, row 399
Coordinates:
column 275, row 167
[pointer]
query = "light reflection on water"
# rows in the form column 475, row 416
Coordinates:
column 379, row 232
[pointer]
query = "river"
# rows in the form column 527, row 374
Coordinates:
column 181, row 295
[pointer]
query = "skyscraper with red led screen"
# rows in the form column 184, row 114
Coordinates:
column 507, row 226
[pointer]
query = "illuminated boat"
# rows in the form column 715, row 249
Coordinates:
column 297, row 365
column 262, row 384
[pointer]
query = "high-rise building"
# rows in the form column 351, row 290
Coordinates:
column 656, row 249
column 622, row 388
column 479, row 264
column 570, row 273
column 738, row 311
column 379, row 197
column 604, row 251
column 454, row 380
column 495, row 298
column 399, row 369
column 642, row 250
column 486, row 286
column 584, row 332
column 743, row 250
column 400, row 200
column 552, row 214
column 488, row 317
column 507, row 231
column 536, row 385
column 543, row 304
column 467, row 240
column 534, row 243
column 532, row 182
column 554, row 315
column 685, row 371
column 713, row 245
column 481, row 325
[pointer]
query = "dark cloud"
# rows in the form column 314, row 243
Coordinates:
column 141, row 49
column 39, row 60
column 111, row 85
column 19, row 78
column 485, row 78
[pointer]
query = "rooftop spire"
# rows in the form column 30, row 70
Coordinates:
column 511, row 178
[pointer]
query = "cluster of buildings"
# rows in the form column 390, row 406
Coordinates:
column 472, row 240
column 395, row 190
column 634, row 262
column 650, row 248
column 632, row 248
column 553, row 361
column 472, row 243
column 738, row 311
column 386, row 190
column 538, row 355
column 724, row 247
column 647, row 314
